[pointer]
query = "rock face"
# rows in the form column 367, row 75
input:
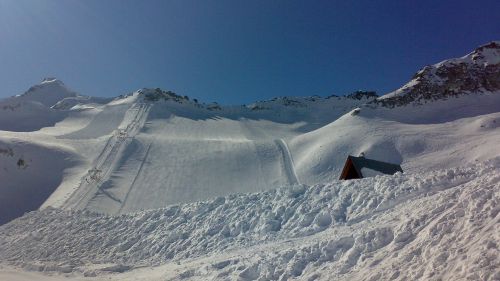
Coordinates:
column 476, row 72
column 358, row 95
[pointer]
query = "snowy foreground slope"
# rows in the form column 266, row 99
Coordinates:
column 441, row 225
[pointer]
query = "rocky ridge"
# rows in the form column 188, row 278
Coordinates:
column 477, row 72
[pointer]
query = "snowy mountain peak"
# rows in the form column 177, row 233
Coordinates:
column 48, row 93
column 476, row 72
column 48, row 80
column 488, row 54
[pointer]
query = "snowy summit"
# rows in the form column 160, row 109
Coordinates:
column 473, row 73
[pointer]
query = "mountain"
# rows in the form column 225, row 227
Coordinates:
column 476, row 72
column 156, row 185
column 124, row 145
column 48, row 92
column 169, row 149
column 31, row 110
column 43, row 105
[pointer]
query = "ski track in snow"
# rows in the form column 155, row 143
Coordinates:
column 91, row 183
column 124, row 202
column 288, row 165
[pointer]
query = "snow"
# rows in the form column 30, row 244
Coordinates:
column 367, row 172
column 420, row 138
column 131, row 154
column 48, row 92
column 25, row 180
column 31, row 111
column 155, row 186
column 487, row 55
column 445, row 223
column 153, row 154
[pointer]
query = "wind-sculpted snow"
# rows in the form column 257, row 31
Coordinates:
column 358, row 228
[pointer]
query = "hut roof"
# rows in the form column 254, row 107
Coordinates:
column 368, row 167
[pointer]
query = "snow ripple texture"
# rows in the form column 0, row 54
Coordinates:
column 440, row 225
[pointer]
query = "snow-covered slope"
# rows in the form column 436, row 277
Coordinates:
column 29, row 174
column 444, row 133
column 436, row 225
column 169, row 150
column 153, row 148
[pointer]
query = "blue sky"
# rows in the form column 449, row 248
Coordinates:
column 234, row 51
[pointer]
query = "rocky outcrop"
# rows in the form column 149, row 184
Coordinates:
column 359, row 95
column 476, row 72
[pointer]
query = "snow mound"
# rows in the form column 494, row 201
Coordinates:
column 441, row 224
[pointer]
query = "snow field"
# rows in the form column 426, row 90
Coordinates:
column 435, row 225
column 180, row 153
column 171, row 159
column 103, row 123
column 102, row 134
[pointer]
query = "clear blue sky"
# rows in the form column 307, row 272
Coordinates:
column 234, row 51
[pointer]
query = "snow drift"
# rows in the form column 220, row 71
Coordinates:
column 444, row 223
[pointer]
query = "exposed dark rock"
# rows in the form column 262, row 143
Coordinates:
column 358, row 95
column 475, row 73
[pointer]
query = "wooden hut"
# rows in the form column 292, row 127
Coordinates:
column 361, row 167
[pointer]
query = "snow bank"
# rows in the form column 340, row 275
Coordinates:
column 435, row 225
